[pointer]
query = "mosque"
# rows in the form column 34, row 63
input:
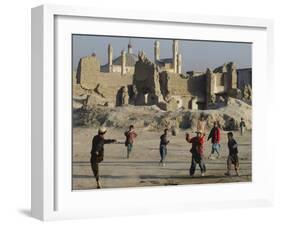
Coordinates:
column 125, row 62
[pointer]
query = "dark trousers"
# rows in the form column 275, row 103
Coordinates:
column 232, row 160
column 129, row 149
column 95, row 169
column 163, row 152
column 197, row 159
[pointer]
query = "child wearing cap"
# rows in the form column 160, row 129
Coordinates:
column 233, row 155
column 197, row 153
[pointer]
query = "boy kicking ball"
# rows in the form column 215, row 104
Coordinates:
column 233, row 155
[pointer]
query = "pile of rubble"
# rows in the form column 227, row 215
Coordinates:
column 154, row 119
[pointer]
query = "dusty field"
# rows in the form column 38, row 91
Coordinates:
column 142, row 169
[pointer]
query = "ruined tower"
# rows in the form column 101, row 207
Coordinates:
column 110, row 58
column 156, row 51
column 210, row 87
column 233, row 74
column 175, row 54
column 123, row 62
column 179, row 63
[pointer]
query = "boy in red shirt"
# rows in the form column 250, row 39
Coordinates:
column 215, row 139
column 197, row 153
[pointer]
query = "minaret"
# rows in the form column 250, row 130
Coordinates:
column 175, row 53
column 130, row 47
column 156, row 51
column 123, row 62
column 110, row 58
column 179, row 63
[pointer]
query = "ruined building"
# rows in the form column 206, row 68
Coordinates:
column 161, row 83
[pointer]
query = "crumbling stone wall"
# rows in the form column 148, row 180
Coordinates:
column 220, row 84
column 146, row 82
column 232, row 73
column 151, row 85
column 181, row 92
column 172, row 83
column 104, row 85
column 88, row 67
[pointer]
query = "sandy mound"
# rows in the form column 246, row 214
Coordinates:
column 152, row 118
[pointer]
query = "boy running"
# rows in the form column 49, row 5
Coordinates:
column 163, row 147
column 130, row 137
column 215, row 139
column 197, row 153
column 233, row 155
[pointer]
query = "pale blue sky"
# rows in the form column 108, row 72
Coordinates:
column 196, row 55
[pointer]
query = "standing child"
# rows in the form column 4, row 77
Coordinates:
column 215, row 139
column 163, row 147
column 233, row 155
column 201, row 124
column 242, row 126
column 130, row 137
column 197, row 153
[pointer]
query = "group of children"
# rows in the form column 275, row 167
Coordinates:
column 197, row 151
column 197, row 148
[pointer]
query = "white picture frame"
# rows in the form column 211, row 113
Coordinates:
column 52, row 198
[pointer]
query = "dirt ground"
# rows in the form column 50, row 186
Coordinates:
column 142, row 169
